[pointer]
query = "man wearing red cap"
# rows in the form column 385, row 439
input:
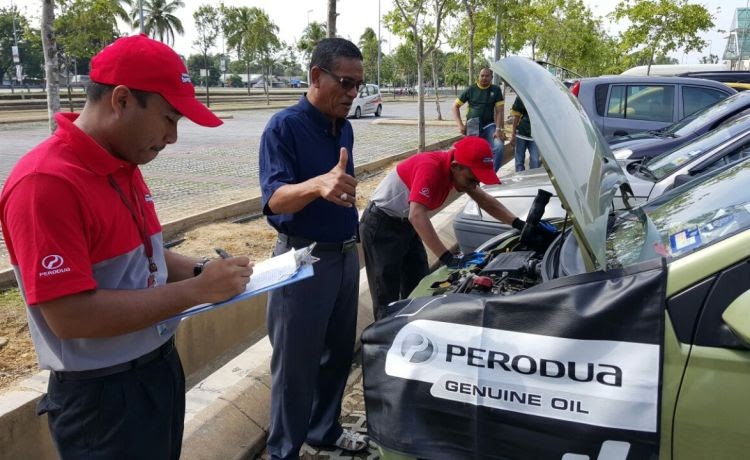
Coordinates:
column 396, row 225
column 86, row 245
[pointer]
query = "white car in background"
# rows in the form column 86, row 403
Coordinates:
column 369, row 100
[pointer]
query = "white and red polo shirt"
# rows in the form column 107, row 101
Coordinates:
column 68, row 231
column 424, row 178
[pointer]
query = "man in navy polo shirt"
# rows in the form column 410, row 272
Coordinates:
column 308, row 187
column 86, row 245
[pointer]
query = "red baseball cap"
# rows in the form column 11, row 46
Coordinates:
column 141, row 63
column 476, row 154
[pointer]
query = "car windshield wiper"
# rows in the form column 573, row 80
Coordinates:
column 643, row 169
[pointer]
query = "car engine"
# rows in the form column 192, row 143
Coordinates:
column 507, row 264
column 502, row 273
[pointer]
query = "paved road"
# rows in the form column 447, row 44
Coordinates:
column 207, row 168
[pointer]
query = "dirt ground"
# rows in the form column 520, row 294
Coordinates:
column 254, row 238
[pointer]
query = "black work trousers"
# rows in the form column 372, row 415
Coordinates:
column 395, row 257
column 136, row 414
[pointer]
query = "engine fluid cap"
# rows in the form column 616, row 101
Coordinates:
column 483, row 282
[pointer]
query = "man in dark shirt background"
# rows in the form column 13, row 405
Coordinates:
column 521, row 137
column 486, row 105
column 308, row 191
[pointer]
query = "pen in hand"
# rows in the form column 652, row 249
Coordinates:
column 222, row 253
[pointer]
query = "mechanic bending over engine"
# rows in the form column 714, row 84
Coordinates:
column 397, row 220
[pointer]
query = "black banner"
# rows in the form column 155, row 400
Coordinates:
column 568, row 369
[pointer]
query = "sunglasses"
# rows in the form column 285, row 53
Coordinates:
column 347, row 84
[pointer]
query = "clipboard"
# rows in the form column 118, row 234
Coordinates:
column 273, row 273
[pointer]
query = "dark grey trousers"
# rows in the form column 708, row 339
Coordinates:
column 311, row 325
column 395, row 258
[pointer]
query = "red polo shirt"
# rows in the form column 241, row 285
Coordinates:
column 62, row 218
column 428, row 178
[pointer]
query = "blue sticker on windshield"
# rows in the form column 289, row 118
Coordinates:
column 684, row 240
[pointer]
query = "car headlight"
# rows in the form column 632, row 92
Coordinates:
column 472, row 209
column 622, row 154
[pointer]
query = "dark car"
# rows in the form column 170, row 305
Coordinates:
column 648, row 144
column 619, row 105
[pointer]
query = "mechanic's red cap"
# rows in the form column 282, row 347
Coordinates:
column 476, row 154
column 141, row 63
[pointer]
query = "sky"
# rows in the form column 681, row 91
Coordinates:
column 292, row 17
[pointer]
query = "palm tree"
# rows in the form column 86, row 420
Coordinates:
column 313, row 33
column 238, row 25
column 159, row 20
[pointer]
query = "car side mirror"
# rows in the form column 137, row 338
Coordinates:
column 682, row 179
column 737, row 317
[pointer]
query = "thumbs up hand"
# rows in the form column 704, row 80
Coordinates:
column 336, row 185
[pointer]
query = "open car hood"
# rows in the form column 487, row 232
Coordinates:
column 577, row 158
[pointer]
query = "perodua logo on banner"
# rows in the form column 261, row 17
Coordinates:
column 417, row 348
column 597, row 382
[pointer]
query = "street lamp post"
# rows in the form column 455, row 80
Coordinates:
column 379, row 43
column 14, row 51
column 308, row 17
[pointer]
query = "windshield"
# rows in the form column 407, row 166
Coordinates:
column 690, row 124
column 683, row 220
column 669, row 162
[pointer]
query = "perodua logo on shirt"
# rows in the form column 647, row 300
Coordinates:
column 425, row 192
column 417, row 348
column 53, row 265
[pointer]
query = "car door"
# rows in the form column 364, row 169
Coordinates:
column 639, row 107
column 370, row 105
column 712, row 407
column 695, row 98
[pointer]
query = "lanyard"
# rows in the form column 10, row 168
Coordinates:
column 141, row 225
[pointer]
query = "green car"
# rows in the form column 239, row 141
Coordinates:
column 627, row 337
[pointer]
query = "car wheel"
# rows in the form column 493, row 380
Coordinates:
column 379, row 110
column 358, row 113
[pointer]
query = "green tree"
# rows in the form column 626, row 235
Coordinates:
column 420, row 23
column 239, row 34
column 405, row 64
column 455, row 76
column 207, row 24
column 368, row 44
column 663, row 26
column 29, row 45
column 196, row 62
column 159, row 19
column 264, row 42
column 311, row 36
column 84, row 27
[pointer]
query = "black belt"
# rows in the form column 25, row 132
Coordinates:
column 163, row 350
column 376, row 210
column 299, row 242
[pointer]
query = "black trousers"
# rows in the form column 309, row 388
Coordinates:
column 312, row 327
column 395, row 258
column 136, row 414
